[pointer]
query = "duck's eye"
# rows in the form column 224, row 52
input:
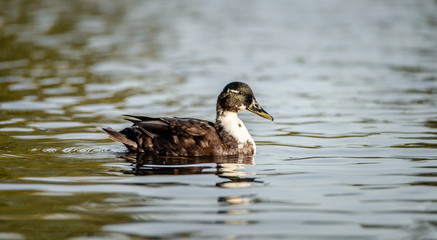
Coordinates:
column 240, row 92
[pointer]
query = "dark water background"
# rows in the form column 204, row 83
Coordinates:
column 352, row 85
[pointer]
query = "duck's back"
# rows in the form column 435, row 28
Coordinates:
column 170, row 136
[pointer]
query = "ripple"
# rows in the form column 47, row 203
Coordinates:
column 27, row 105
column 59, row 90
column 49, row 81
column 14, row 64
column 22, row 86
column 16, row 129
column 85, row 150
column 94, row 107
column 91, row 136
column 66, row 136
column 48, row 125
column 119, row 68
column 113, row 87
column 11, row 236
column 64, row 100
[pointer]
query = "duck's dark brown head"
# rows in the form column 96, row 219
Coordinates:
column 236, row 97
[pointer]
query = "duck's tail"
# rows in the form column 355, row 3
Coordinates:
column 120, row 137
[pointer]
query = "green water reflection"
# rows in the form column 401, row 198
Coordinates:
column 61, row 216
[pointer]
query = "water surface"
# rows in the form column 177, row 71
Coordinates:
column 352, row 85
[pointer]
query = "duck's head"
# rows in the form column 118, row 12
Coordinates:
column 236, row 97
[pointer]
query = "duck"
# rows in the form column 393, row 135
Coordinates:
column 184, row 137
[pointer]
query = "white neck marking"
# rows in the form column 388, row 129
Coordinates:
column 235, row 127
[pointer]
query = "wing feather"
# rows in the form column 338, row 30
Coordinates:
column 169, row 136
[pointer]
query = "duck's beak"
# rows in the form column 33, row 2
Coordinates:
column 257, row 109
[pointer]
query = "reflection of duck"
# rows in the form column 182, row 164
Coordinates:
column 194, row 137
column 146, row 164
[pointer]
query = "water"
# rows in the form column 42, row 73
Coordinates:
column 351, row 155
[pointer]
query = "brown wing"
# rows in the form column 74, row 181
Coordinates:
column 171, row 136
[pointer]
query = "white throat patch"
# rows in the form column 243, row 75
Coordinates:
column 235, row 127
